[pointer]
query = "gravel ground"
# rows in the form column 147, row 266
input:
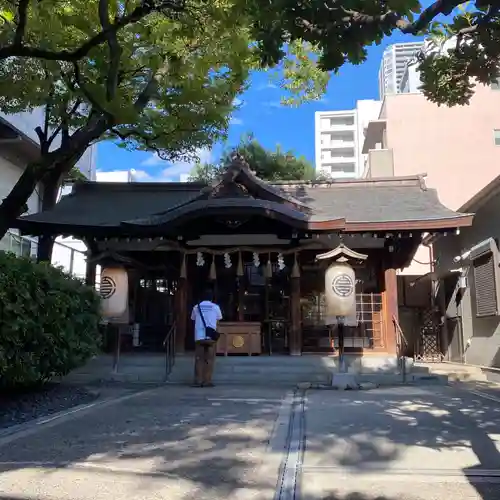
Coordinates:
column 17, row 409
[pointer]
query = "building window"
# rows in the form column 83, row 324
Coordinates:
column 496, row 134
column 486, row 283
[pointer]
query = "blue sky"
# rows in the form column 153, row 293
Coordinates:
column 262, row 115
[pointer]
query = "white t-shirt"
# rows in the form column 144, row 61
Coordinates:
column 211, row 313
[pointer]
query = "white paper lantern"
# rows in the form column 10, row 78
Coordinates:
column 340, row 291
column 114, row 292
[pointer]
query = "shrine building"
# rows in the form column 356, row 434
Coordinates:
column 263, row 247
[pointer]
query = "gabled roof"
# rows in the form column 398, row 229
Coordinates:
column 400, row 204
column 482, row 197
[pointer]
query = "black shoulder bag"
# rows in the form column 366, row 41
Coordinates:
column 209, row 331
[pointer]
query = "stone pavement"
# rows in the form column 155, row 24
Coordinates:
column 405, row 443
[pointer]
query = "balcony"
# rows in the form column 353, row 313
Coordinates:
column 338, row 145
column 334, row 160
column 338, row 127
column 379, row 163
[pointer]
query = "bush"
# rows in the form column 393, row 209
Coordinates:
column 48, row 322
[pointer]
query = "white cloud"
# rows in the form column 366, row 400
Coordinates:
column 175, row 169
column 268, row 85
column 273, row 104
column 154, row 159
column 236, row 121
column 131, row 175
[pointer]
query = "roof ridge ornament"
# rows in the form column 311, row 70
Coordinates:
column 342, row 253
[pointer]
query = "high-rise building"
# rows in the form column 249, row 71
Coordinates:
column 339, row 137
column 393, row 65
column 410, row 82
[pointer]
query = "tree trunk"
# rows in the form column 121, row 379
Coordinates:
column 60, row 160
column 50, row 189
column 13, row 204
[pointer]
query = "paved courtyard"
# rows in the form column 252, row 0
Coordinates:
column 410, row 443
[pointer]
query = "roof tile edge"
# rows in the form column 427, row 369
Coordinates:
column 412, row 180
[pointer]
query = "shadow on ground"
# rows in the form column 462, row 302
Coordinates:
column 410, row 432
column 210, row 444
column 350, row 496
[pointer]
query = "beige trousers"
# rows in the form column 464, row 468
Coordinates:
column 204, row 362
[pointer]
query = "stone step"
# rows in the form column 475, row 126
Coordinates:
column 257, row 370
column 454, row 372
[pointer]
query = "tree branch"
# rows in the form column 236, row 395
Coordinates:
column 22, row 18
column 114, row 50
column 78, row 102
column 444, row 7
column 134, row 133
column 146, row 94
column 147, row 7
column 390, row 17
column 83, row 89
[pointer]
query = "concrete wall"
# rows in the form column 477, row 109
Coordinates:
column 454, row 146
column 380, row 163
column 484, row 333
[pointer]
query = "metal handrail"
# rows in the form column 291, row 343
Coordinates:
column 401, row 342
column 169, row 345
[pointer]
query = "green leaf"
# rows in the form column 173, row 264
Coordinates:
column 49, row 322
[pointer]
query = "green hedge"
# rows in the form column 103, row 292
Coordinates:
column 48, row 322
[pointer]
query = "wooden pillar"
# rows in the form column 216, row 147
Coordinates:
column 181, row 317
column 90, row 273
column 391, row 308
column 241, row 299
column 295, row 341
column 90, row 267
column 241, row 288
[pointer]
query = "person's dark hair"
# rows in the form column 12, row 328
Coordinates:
column 208, row 294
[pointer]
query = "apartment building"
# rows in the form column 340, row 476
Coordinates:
column 458, row 148
column 393, row 66
column 339, row 138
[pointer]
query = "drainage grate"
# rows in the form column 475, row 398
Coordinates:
column 291, row 465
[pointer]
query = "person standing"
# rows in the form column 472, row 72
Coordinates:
column 205, row 315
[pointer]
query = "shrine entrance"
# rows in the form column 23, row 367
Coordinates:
column 256, row 294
